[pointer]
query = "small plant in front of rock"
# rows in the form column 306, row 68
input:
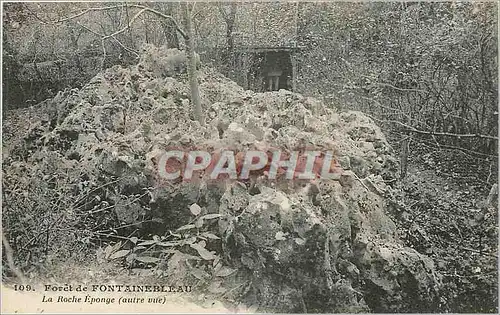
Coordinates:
column 190, row 255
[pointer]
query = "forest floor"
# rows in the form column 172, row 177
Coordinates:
column 446, row 218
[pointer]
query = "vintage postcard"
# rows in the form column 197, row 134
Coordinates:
column 249, row 157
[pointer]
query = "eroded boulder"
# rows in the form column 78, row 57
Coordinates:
column 317, row 245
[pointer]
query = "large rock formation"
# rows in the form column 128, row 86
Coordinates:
column 322, row 245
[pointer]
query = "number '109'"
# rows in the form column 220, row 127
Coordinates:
column 23, row 287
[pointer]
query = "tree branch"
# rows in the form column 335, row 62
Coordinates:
column 458, row 149
column 414, row 130
column 86, row 11
column 167, row 17
column 398, row 88
column 130, row 50
column 126, row 27
column 138, row 6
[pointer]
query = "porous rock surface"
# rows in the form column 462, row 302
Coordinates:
column 325, row 245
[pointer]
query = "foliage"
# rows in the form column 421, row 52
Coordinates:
column 413, row 66
column 189, row 254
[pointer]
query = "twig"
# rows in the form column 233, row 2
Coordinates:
column 356, row 176
column 126, row 27
column 490, row 173
column 491, row 196
column 414, row 130
column 168, row 17
column 471, row 249
column 459, row 149
column 116, row 236
column 86, row 11
column 468, row 276
column 47, row 230
column 397, row 88
column 139, row 6
column 103, row 53
column 114, row 205
column 94, row 190
column 130, row 50
column 126, row 226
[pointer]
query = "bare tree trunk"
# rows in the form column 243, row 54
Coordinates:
column 9, row 254
column 229, row 18
column 192, row 72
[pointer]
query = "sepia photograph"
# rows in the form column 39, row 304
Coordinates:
column 249, row 157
